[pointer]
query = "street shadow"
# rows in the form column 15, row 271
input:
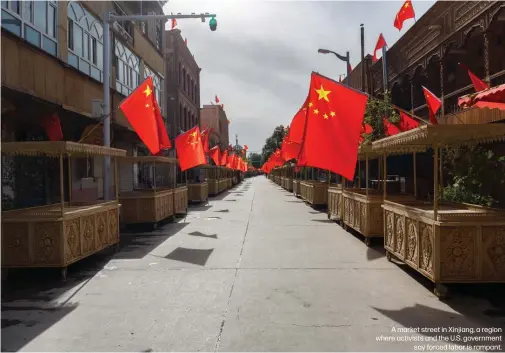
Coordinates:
column 213, row 218
column 138, row 245
column 223, row 211
column 323, row 221
column 231, row 200
column 438, row 323
column 375, row 252
column 314, row 212
column 295, row 201
column 192, row 256
column 22, row 324
column 220, row 196
column 199, row 208
column 200, row 234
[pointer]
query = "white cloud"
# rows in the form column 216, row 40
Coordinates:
column 259, row 60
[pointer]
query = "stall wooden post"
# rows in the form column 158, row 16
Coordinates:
column 435, row 181
column 366, row 174
column 116, row 179
column 62, row 187
column 441, row 183
column 359, row 173
column 69, row 164
column 415, row 174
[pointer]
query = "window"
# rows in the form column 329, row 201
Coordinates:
column 157, row 83
column 35, row 21
column 85, row 41
column 126, row 25
column 158, row 35
column 127, row 69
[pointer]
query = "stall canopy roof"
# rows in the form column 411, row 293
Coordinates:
column 423, row 137
column 57, row 148
column 492, row 98
column 149, row 159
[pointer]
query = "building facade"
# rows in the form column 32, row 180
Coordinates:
column 52, row 63
column 214, row 116
column 428, row 54
column 182, row 84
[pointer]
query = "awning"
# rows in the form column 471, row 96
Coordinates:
column 492, row 98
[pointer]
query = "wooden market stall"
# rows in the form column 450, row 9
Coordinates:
column 213, row 178
column 362, row 207
column 446, row 242
column 296, row 183
column 313, row 191
column 148, row 203
column 181, row 194
column 58, row 235
column 198, row 187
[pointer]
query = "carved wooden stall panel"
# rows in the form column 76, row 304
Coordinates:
column 296, row 188
column 198, row 192
column 181, row 200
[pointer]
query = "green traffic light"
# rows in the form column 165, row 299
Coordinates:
column 213, row 24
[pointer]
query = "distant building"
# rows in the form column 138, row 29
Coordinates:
column 52, row 62
column 182, row 84
column 214, row 116
column 428, row 54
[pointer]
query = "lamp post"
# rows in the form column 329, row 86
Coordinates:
column 345, row 58
column 108, row 19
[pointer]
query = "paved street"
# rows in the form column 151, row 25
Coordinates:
column 254, row 270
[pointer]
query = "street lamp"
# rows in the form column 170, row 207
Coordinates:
column 346, row 59
column 109, row 18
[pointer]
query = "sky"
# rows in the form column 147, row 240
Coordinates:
column 259, row 60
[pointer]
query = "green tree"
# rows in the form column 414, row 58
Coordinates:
column 376, row 109
column 476, row 175
column 272, row 143
column 255, row 159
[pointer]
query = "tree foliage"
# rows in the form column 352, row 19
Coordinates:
column 376, row 109
column 476, row 175
column 255, row 159
column 273, row 142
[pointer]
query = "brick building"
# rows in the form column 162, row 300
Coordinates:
column 182, row 84
column 52, row 63
column 214, row 116
column 450, row 32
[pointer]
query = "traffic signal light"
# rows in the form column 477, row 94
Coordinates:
column 213, row 24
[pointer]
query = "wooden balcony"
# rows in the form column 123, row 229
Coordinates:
column 474, row 116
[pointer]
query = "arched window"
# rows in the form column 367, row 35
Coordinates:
column 157, row 82
column 35, row 21
column 184, row 121
column 181, row 117
column 127, row 69
column 184, row 79
column 187, row 83
column 85, row 41
column 191, row 90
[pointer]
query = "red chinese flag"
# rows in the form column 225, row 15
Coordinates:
column 162, row 129
column 140, row 110
column 214, row 154
column 174, row 23
column 433, row 104
column 186, row 41
column 217, row 99
column 224, row 158
column 189, row 149
column 52, row 126
column 205, row 139
column 381, row 43
column 297, row 126
column 289, row 150
column 406, row 122
column 246, row 147
column 389, row 128
column 405, row 13
column 478, row 84
column 333, row 126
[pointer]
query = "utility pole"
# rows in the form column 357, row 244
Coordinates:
column 108, row 19
column 363, row 58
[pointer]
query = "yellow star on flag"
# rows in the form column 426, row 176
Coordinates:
column 310, row 104
column 323, row 94
column 406, row 5
column 316, row 111
column 332, row 114
column 325, row 116
column 148, row 91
